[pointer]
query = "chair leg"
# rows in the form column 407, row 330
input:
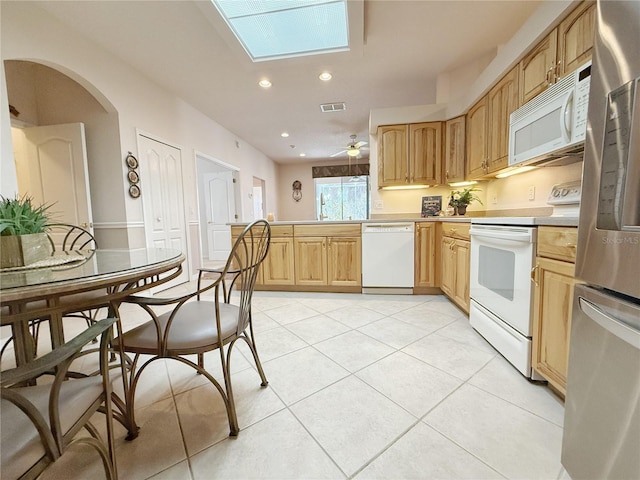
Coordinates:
column 254, row 352
column 231, row 407
column 201, row 361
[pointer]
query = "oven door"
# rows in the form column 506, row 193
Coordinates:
column 501, row 262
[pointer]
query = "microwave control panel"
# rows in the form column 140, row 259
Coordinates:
column 581, row 101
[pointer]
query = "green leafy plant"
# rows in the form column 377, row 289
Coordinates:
column 465, row 197
column 19, row 216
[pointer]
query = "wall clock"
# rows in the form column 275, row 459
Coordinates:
column 297, row 190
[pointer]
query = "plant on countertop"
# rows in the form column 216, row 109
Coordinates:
column 465, row 197
column 18, row 216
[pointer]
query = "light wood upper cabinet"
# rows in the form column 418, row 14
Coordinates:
column 477, row 130
column 503, row 100
column 425, row 153
column 410, row 154
column 425, row 255
column 454, row 150
column 393, row 155
column 575, row 37
column 537, row 68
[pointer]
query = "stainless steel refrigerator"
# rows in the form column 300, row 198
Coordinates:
column 602, row 410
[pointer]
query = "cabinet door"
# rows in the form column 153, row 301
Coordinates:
column 454, row 150
column 477, row 127
column 425, row 255
column 278, row 267
column 537, row 68
column 503, row 100
column 344, row 261
column 311, row 260
column 575, row 37
column 425, row 153
column 448, row 266
column 461, row 281
column 393, row 155
column 552, row 309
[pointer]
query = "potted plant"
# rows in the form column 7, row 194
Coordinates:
column 460, row 200
column 23, row 240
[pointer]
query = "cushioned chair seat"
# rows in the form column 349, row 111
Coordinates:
column 192, row 329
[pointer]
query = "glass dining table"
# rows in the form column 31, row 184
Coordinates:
column 101, row 279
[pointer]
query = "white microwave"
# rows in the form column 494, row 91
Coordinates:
column 552, row 124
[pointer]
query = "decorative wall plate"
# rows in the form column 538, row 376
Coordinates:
column 132, row 162
column 133, row 177
column 134, row 191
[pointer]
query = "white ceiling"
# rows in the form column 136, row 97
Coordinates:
column 400, row 48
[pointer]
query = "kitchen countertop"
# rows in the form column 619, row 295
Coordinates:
column 502, row 220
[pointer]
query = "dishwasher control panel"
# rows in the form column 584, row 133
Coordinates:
column 387, row 227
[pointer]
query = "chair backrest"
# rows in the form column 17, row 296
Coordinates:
column 248, row 252
column 65, row 238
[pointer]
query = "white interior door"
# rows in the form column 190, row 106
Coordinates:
column 163, row 200
column 220, row 208
column 51, row 165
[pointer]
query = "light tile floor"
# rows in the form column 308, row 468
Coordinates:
column 360, row 386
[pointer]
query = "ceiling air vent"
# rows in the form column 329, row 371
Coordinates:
column 333, row 107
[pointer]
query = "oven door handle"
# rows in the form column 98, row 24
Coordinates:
column 504, row 235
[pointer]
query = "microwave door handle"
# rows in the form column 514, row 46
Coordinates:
column 565, row 117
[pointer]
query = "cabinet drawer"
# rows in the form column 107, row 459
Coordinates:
column 282, row 231
column 558, row 243
column 335, row 230
column 457, row 230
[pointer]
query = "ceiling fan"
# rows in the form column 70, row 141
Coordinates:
column 352, row 149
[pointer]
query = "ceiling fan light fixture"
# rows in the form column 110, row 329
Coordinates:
column 352, row 151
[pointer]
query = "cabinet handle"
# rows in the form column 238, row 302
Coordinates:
column 453, row 244
column 557, row 70
column 446, row 174
column 534, row 275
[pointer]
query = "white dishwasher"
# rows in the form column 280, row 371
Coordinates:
column 387, row 257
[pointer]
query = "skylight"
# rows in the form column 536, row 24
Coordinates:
column 270, row 29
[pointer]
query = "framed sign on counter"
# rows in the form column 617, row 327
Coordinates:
column 431, row 206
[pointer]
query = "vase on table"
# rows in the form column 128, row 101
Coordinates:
column 461, row 209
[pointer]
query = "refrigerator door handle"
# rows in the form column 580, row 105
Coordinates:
column 611, row 324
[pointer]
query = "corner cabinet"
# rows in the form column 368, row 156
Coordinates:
column 455, row 262
column 553, row 276
column 410, row 154
column 328, row 255
column 454, row 150
column 425, row 257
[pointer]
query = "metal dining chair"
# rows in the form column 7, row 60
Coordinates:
column 39, row 423
column 195, row 326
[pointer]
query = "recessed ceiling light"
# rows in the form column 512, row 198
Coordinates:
column 303, row 154
column 284, row 134
column 325, row 76
column 264, row 83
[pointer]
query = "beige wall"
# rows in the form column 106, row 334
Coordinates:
column 27, row 32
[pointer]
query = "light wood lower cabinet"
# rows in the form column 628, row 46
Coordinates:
column 333, row 259
column 424, row 256
column 455, row 257
column 554, row 280
column 278, row 267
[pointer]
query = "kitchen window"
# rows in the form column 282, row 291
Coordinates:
column 342, row 198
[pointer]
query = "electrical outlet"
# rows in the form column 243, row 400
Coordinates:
column 532, row 193
column 494, row 199
column 378, row 205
